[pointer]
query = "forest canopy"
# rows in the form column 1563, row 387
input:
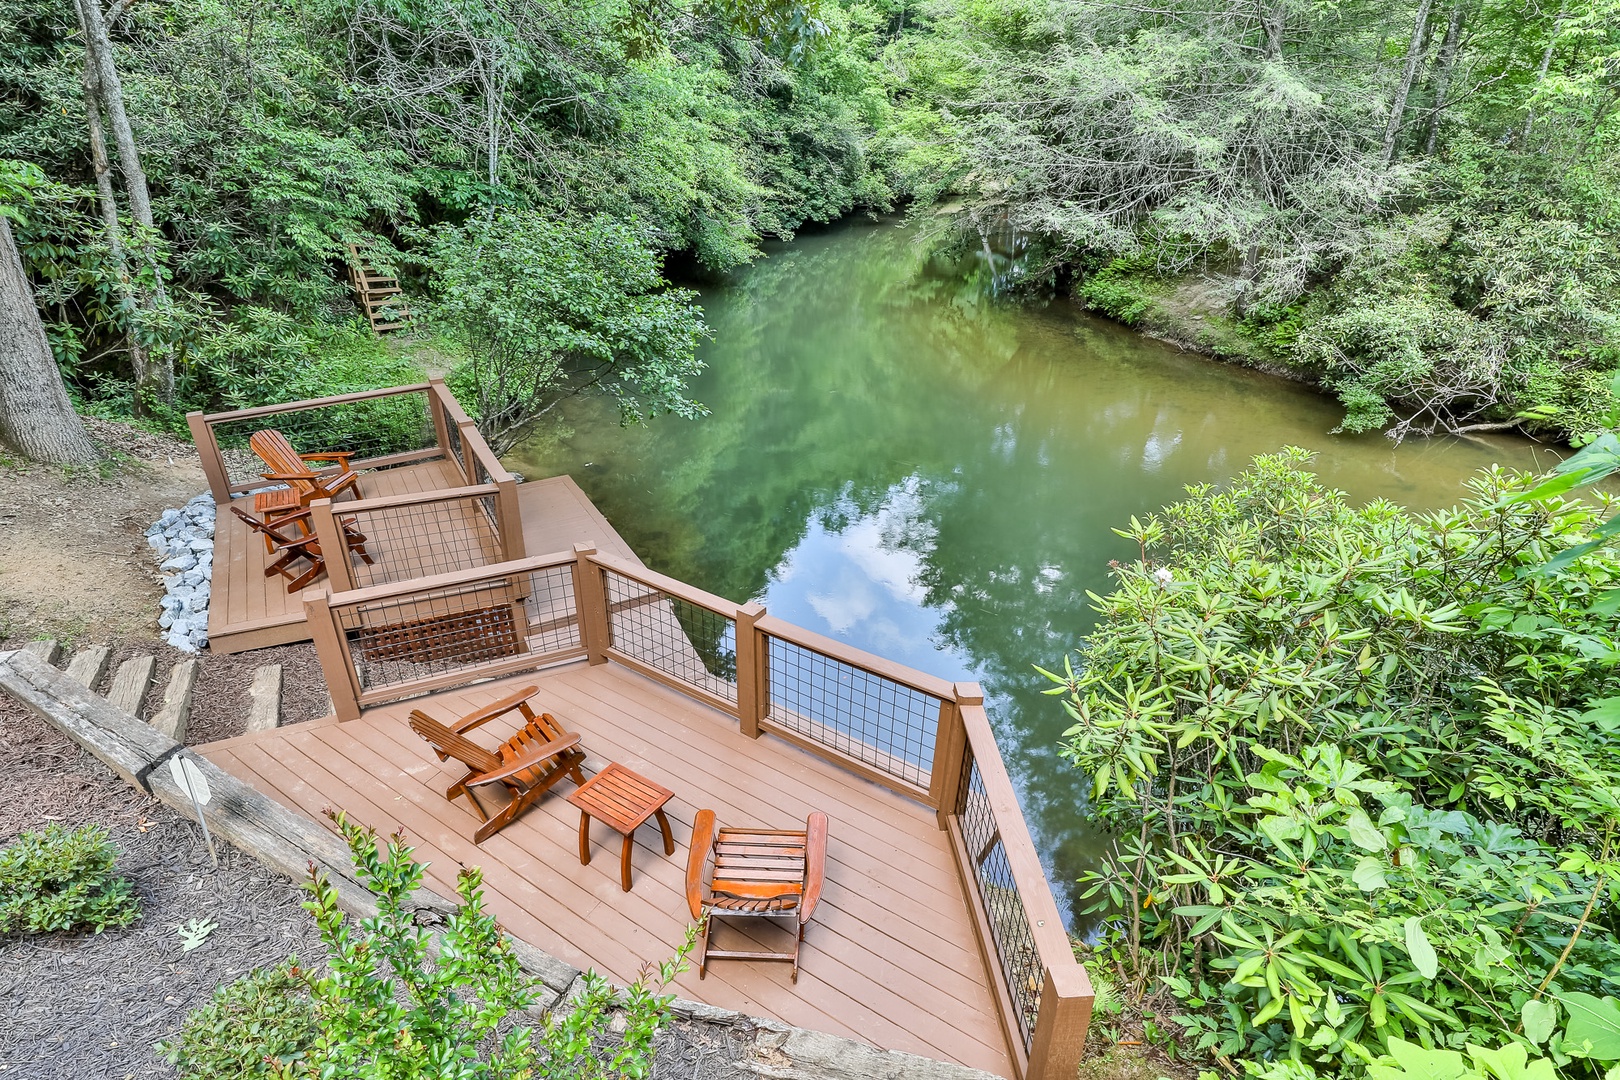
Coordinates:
column 1412, row 202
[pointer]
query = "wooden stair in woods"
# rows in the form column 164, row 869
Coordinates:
column 380, row 295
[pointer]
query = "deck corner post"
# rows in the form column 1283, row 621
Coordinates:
column 1059, row 1038
column 753, row 673
column 950, row 750
column 437, row 392
column 509, row 513
column 213, row 465
column 335, row 667
column 334, row 550
column 590, row 599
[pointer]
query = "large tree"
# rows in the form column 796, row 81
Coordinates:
column 36, row 417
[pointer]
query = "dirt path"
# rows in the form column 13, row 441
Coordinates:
column 74, row 563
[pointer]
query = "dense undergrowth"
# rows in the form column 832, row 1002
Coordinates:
column 1363, row 767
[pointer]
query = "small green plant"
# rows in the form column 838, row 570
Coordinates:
column 383, row 1010
column 194, row 932
column 262, row 1020
column 61, row 879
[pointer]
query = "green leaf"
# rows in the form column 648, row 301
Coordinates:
column 1593, row 1028
column 1369, row 874
column 1419, row 949
column 1364, row 834
column 1604, row 712
column 1539, row 1017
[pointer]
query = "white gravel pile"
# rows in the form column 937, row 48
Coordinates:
column 184, row 540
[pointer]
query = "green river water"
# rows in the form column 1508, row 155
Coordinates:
column 896, row 460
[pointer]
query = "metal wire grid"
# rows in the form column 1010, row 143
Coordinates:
column 998, row 894
column 414, row 637
column 885, row 724
column 684, row 641
column 369, row 428
column 452, row 435
column 423, row 539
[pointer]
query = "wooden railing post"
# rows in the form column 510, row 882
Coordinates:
column 1060, row 1029
column 213, row 465
column 950, row 750
column 753, row 672
column 509, row 515
column 469, row 435
column 590, row 600
column 339, row 573
column 334, row 658
column 437, row 394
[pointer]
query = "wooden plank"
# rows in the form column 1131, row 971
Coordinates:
column 172, row 717
column 308, row 403
column 89, row 665
column 264, row 698
column 45, row 650
column 130, row 684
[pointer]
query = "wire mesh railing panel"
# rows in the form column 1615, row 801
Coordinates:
column 404, row 639
column 999, row 898
column 452, row 434
column 683, row 640
column 369, row 428
column 397, row 543
column 877, row 721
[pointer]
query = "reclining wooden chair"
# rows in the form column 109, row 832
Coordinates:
column 304, row 484
column 294, row 547
column 527, row 764
column 757, row 873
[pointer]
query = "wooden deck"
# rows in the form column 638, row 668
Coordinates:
column 250, row 611
column 890, row 956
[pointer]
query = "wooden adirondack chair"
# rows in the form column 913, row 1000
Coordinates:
column 757, row 873
column 304, row 484
column 292, row 548
column 527, row 764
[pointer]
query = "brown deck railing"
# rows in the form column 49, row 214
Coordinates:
column 397, row 425
column 918, row 734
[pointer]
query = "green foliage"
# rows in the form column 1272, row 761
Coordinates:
column 1122, row 290
column 1360, row 764
column 60, row 879
column 548, row 307
column 383, row 1009
column 263, row 1017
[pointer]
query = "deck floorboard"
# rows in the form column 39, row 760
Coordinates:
column 889, row 957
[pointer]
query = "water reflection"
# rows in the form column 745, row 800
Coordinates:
column 898, row 462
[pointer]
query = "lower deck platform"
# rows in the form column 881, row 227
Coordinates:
column 889, row 958
column 248, row 610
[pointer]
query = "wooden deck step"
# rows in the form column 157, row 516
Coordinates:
column 172, row 718
column 89, row 665
column 264, row 698
column 130, row 683
column 45, row 649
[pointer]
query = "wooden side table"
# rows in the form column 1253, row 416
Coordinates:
column 624, row 800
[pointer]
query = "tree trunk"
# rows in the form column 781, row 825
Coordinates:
column 139, row 361
column 1397, row 107
column 154, row 373
column 1274, row 18
column 36, row 417
column 1541, row 71
column 1442, row 76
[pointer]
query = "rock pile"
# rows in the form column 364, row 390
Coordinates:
column 184, row 540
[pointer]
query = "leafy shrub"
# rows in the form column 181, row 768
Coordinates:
column 550, row 307
column 384, row 1010
column 1363, row 767
column 1122, row 290
column 264, row 1015
column 57, row 879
